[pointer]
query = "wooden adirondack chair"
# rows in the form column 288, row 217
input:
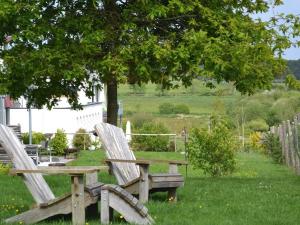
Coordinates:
column 47, row 204
column 113, row 197
column 133, row 175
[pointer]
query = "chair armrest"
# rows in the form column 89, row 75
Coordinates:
column 177, row 162
column 138, row 162
column 147, row 161
column 59, row 170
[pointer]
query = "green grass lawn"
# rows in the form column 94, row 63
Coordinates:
column 259, row 192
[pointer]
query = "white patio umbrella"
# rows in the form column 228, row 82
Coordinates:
column 128, row 131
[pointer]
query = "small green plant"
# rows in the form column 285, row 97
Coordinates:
column 181, row 109
column 4, row 168
column 255, row 142
column 59, row 142
column 37, row 138
column 273, row 147
column 213, row 151
column 166, row 108
column 81, row 139
column 258, row 125
column 169, row 108
column 138, row 119
column 151, row 143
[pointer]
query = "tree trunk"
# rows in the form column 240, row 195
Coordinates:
column 112, row 102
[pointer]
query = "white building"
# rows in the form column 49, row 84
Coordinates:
column 60, row 117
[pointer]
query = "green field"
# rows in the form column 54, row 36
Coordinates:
column 259, row 192
column 202, row 102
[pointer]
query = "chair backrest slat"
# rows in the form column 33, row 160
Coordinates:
column 116, row 147
column 35, row 183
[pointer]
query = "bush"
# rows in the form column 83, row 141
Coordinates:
column 273, row 147
column 151, row 143
column 181, row 109
column 37, row 138
column 258, row 125
column 59, row 142
column 166, row 108
column 139, row 119
column 213, row 151
column 256, row 141
column 273, row 118
column 81, row 139
column 4, row 168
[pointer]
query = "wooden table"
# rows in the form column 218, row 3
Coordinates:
column 77, row 185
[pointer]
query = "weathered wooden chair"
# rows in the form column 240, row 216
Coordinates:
column 133, row 175
column 76, row 202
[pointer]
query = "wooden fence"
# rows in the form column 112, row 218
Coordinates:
column 288, row 133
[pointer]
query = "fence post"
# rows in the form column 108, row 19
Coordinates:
column 282, row 141
column 291, row 145
column 296, row 146
column 286, row 143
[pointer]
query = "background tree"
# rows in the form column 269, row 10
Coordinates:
column 61, row 47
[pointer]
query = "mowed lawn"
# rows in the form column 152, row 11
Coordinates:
column 259, row 192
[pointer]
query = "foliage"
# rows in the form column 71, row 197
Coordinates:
column 169, row 108
column 214, row 151
column 37, row 138
column 181, row 109
column 258, row 125
column 272, row 144
column 151, row 143
column 138, row 120
column 256, row 141
column 166, row 108
column 81, row 139
column 68, row 46
column 137, row 89
column 292, row 82
column 59, row 142
column 4, row 168
column 294, row 67
column 273, row 118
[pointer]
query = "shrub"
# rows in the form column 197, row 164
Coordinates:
column 4, row 168
column 137, row 89
column 59, row 142
column 181, row 109
column 139, row 119
column 258, row 125
column 81, row 139
column 273, row 118
column 213, row 151
column 273, row 147
column 256, row 141
column 151, row 143
column 166, row 108
column 169, row 108
column 37, row 138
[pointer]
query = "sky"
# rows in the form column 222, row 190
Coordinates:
column 289, row 6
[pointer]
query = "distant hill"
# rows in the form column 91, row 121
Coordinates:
column 294, row 67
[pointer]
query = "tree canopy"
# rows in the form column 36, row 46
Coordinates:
column 60, row 47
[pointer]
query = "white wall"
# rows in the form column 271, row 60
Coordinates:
column 46, row 121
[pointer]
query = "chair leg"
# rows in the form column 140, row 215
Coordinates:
column 172, row 196
column 106, row 211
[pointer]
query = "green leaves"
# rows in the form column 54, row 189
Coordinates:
column 137, row 42
column 213, row 151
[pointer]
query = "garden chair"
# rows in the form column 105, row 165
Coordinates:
column 133, row 175
column 113, row 197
